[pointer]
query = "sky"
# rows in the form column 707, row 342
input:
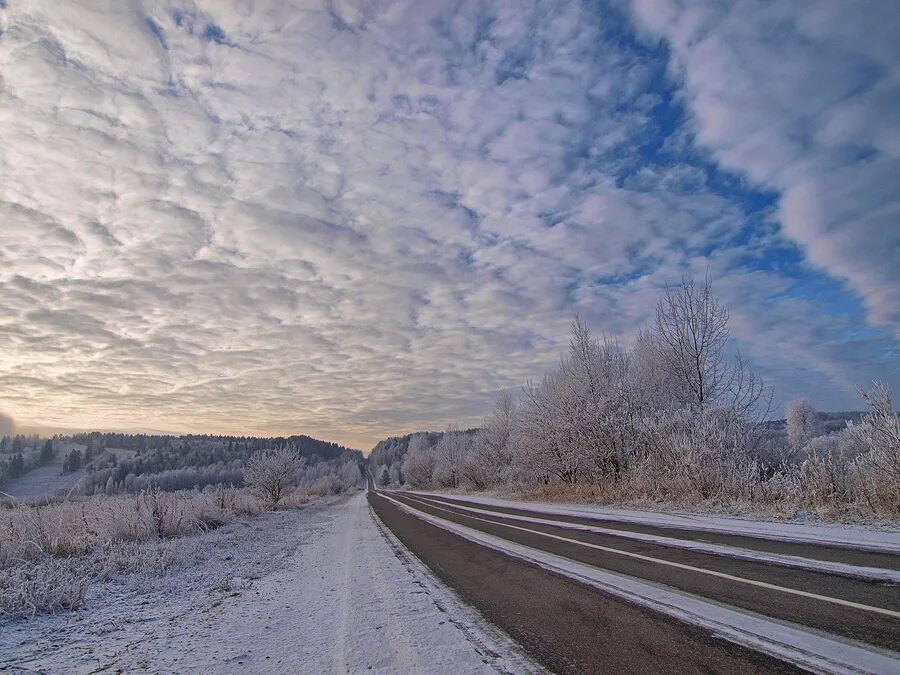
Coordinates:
column 355, row 219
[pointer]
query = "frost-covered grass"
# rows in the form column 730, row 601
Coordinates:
column 68, row 527
column 50, row 551
column 50, row 585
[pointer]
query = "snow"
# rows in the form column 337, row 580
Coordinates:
column 871, row 573
column 324, row 589
column 854, row 536
column 46, row 481
column 804, row 647
column 49, row 480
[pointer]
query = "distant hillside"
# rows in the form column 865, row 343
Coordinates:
column 87, row 463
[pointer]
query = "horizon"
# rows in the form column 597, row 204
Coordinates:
column 350, row 222
column 45, row 432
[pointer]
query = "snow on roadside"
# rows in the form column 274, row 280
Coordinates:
column 318, row 590
column 835, row 535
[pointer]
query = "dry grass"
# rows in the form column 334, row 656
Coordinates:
column 50, row 551
column 79, row 527
column 34, row 588
column 825, row 487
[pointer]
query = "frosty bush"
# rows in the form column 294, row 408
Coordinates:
column 879, row 465
column 270, row 472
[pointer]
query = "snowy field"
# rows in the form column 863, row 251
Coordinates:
column 324, row 589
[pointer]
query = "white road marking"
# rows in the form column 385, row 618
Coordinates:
column 683, row 566
column 798, row 562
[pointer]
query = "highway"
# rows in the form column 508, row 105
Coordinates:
column 585, row 594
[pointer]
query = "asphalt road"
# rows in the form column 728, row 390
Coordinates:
column 571, row 627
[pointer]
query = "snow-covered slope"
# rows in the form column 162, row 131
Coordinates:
column 49, row 480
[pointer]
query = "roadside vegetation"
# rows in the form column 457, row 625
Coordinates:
column 52, row 549
column 678, row 419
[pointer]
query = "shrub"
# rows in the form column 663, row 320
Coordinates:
column 270, row 472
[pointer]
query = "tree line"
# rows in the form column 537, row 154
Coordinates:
column 678, row 417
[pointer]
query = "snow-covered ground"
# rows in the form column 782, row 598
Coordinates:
column 857, row 536
column 325, row 589
column 49, row 480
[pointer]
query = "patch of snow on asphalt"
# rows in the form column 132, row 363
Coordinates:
column 319, row 590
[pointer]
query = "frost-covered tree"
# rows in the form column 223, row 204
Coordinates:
column 653, row 388
column 576, row 423
column 691, row 331
column 879, row 433
column 418, row 465
column 547, row 449
column 803, row 425
column 450, row 453
column 269, row 472
column 490, row 458
column 351, row 475
column 383, row 475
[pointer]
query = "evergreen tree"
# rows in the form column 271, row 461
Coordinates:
column 72, row 462
column 47, row 452
column 16, row 466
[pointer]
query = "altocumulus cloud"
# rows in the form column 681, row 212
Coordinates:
column 359, row 218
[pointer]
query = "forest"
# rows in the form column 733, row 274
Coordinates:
column 112, row 463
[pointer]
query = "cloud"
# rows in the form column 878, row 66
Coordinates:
column 801, row 97
column 357, row 219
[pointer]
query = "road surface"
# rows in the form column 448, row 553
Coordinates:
column 585, row 595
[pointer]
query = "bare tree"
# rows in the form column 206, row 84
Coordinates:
column 692, row 333
column 269, row 472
